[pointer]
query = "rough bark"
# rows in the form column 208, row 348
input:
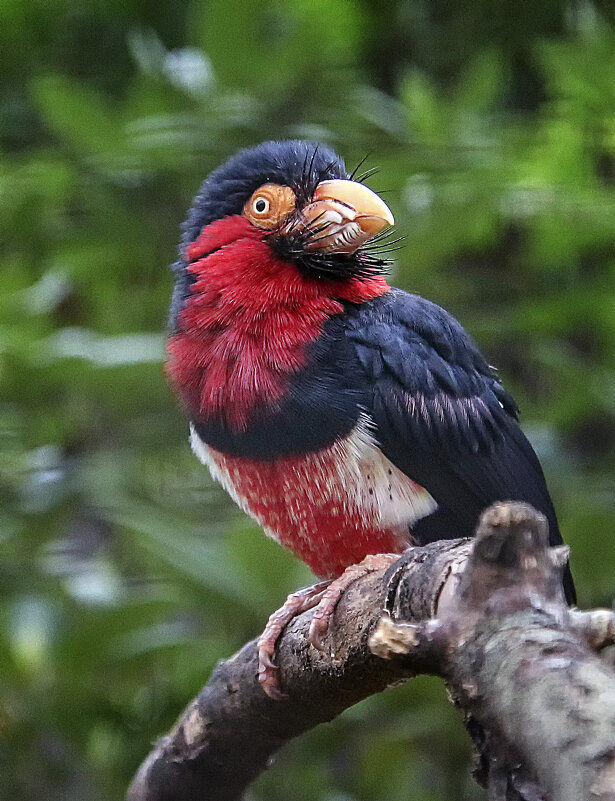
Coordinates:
column 487, row 615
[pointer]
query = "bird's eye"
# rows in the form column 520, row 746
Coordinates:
column 270, row 205
column 261, row 205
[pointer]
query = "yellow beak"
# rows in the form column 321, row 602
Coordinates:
column 344, row 215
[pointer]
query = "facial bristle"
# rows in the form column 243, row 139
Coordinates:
column 366, row 262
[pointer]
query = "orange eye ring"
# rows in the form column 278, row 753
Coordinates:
column 270, row 205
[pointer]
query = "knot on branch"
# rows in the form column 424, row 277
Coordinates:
column 511, row 564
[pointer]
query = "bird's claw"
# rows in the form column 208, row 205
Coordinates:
column 326, row 606
column 298, row 602
column 319, row 627
column 324, row 596
column 268, row 680
column 268, row 673
column 265, row 662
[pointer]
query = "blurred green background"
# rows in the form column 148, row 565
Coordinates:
column 125, row 572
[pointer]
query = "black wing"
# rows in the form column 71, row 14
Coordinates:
column 442, row 416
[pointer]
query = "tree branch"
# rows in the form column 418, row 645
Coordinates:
column 487, row 614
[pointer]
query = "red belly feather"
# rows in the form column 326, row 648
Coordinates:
column 331, row 508
column 309, row 512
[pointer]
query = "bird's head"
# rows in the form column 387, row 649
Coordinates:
column 298, row 198
column 274, row 245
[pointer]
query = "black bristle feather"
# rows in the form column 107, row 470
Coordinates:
column 367, row 174
column 359, row 165
column 293, row 244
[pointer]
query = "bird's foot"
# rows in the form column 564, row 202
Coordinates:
column 324, row 596
column 296, row 603
column 336, row 588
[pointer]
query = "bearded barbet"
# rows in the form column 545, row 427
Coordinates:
column 348, row 418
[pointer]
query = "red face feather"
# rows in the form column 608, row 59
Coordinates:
column 248, row 322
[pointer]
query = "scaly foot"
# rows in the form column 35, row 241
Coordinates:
column 324, row 596
column 296, row 603
column 331, row 595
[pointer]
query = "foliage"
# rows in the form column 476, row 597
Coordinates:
column 125, row 572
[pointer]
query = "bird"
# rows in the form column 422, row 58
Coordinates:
column 349, row 418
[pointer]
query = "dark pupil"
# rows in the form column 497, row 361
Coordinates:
column 260, row 205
